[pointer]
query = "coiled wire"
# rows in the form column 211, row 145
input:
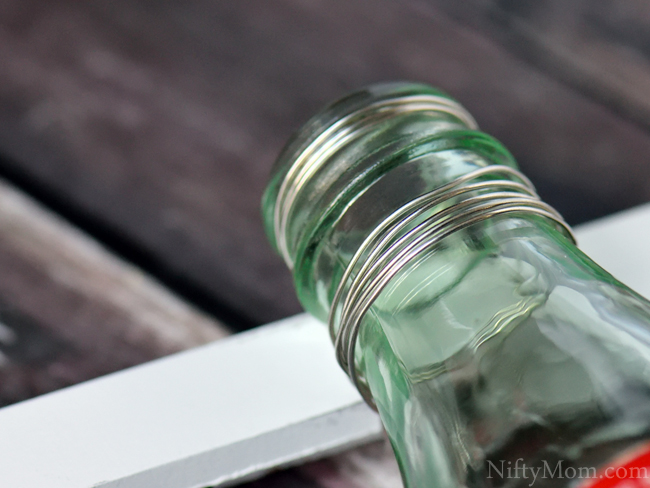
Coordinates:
column 409, row 231
column 340, row 133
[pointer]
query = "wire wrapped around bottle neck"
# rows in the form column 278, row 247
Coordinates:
column 409, row 231
column 340, row 133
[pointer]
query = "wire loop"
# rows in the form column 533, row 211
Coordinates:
column 348, row 128
column 409, row 231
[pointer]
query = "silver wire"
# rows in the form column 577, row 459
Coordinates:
column 348, row 128
column 386, row 254
column 407, row 232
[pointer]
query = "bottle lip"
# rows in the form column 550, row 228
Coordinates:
column 309, row 148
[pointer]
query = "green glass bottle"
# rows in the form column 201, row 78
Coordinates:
column 457, row 300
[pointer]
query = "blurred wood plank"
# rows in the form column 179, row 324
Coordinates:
column 371, row 466
column 161, row 119
column 601, row 49
column 78, row 312
column 71, row 311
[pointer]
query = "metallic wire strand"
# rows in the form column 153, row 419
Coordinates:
column 409, row 231
column 397, row 220
column 386, row 254
column 350, row 127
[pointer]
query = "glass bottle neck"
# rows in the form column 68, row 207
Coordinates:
column 506, row 334
column 481, row 338
column 367, row 196
column 374, row 189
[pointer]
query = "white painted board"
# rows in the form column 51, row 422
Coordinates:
column 211, row 415
column 620, row 243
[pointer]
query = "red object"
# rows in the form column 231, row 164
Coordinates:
column 631, row 470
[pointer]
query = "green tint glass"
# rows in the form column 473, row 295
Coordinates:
column 498, row 342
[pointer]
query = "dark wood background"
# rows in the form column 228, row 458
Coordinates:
column 143, row 132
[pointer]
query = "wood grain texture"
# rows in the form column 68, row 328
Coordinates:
column 71, row 311
column 371, row 466
column 600, row 49
column 78, row 312
column 162, row 119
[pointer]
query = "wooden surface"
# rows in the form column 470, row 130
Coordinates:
column 160, row 121
column 78, row 312
column 71, row 311
column 151, row 126
column 600, row 49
